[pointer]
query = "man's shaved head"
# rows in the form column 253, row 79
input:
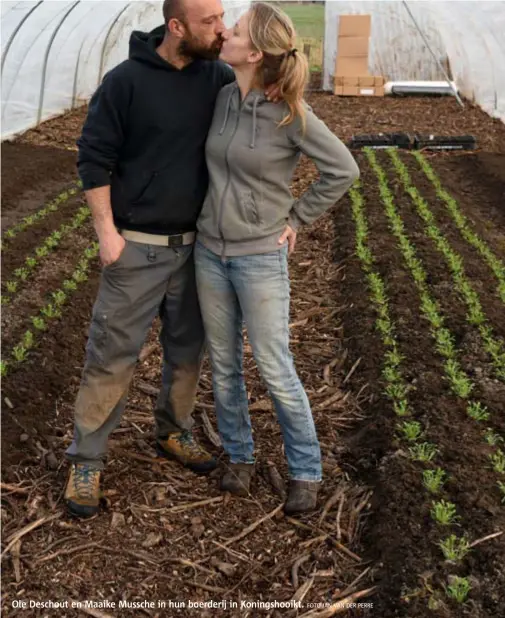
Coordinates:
column 173, row 9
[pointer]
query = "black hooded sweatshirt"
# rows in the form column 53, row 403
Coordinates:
column 145, row 136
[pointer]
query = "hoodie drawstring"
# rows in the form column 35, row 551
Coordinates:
column 227, row 112
column 253, row 136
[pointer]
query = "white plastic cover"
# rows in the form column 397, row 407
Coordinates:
column 55, row 53
column 469, row 34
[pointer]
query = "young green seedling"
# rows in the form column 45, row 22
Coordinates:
column 458, row 589
column 27, row 340
column 21, row 273
column 401, row 407
column 69, row 285
column 391, row 374
column 19, row 352
column 501, row 487
column 492, row 438
column 477, row 411
column 460, row 383
column 433, row 480
column 444, row 513
column 498, row 461
column 79, row 276
column 396, row 392
column 423, row 452
column 454, row 548
column 50, row 312
column 59, row 297
column 39, row 323
column 411, row 430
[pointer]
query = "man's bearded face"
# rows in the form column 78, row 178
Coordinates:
column 193, row 47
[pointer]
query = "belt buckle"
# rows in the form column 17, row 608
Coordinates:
column 176, row 240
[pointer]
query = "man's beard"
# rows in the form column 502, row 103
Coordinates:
column 191, row 47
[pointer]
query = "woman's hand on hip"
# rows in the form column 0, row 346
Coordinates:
column 288, row 235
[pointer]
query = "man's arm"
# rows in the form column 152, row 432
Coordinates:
column 102, row 137
column 110, row 241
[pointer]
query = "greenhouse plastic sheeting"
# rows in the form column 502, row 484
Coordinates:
column 469, row 35
column 55, row 53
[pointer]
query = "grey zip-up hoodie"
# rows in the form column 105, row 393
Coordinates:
column 251, row 163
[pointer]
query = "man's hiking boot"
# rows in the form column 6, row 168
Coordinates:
column 183, row 448
column 82, row 493
column 237, row 479
column 302, row 497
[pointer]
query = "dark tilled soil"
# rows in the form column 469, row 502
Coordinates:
column 466, row 175
column 17, row 249
column 31, row 176
column 34, row 294
column 477, row 271
column 350, row 116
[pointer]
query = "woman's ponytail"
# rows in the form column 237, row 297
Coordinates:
column 272, row 32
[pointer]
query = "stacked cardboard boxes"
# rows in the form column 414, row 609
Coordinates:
column 351, row 69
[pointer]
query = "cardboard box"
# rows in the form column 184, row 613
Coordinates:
column 367, row 81
column 352, row 46
column 354, row 25
column 350, row 91
column 379, row 81
column 351, row 67
column 358, row 91
column 350, row 81
column 342, row 82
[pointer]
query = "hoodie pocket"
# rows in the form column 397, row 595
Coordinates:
column 142, row 190
column 250, row 209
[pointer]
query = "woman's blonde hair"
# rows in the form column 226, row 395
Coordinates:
column 272, row 32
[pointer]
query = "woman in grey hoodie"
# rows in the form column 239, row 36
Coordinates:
column 246, row 229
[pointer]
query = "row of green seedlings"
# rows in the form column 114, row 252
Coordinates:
column 50, row 311
column 50, row 207
column 50, row 243
column 459, row 382
column 494, row 263
column 443, row 513
column 475, row 315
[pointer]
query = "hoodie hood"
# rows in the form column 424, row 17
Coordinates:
column 251, row 102
column 143, row 49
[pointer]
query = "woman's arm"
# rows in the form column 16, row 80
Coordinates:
column 337, row 167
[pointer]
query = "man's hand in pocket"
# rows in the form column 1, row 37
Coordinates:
column 112, row 244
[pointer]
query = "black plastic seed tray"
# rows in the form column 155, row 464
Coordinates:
column 442, row 142
column 381, row 140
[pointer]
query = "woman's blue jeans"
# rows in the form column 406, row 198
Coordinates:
column 254, row 289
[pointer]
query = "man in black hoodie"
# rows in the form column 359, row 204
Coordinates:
column 142, row 165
